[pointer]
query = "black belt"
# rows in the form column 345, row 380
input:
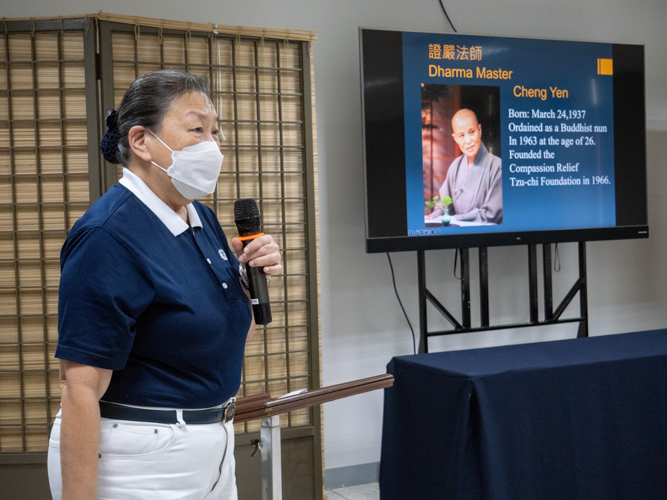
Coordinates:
column 120, row 412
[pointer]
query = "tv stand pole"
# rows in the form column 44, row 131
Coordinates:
column 551, row 316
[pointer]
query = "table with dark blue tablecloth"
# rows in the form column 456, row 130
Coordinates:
column 566, row 420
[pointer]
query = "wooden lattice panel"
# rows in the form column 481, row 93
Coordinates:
column 44, row 189
column 47, row 173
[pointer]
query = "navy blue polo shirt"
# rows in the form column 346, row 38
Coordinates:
column 156, row 300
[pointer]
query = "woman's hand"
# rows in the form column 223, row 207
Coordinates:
column 438, row 212
column 261, row 252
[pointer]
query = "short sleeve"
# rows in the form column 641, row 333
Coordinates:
column 103, row 290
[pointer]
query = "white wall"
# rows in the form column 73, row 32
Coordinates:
column 362, row 325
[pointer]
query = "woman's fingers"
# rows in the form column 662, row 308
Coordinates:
column 262, row 251
column 273, row 270
column 265, row 260
column 237, row 246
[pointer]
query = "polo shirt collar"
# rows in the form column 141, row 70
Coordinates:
column 168, row 217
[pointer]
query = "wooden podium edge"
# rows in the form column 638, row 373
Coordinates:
column 260, row 406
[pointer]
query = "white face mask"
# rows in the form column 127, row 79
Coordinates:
column 195, row 169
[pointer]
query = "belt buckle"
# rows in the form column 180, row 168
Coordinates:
column 229, row 411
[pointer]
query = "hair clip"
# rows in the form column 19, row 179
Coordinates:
column 111, row 118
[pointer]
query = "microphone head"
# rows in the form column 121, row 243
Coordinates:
column 246, row 216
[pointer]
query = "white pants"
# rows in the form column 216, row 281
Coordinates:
column 146, row 461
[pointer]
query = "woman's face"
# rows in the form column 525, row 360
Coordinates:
column 191, row 119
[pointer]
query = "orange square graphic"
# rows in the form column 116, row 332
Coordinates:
column 605, row 66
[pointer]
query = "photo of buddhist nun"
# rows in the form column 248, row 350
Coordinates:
column 461, row 154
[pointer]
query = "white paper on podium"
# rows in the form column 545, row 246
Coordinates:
column 463, row 223
column 460, row 223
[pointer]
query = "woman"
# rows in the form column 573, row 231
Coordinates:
column 153, row 315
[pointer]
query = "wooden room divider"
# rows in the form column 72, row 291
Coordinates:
column 58, row 77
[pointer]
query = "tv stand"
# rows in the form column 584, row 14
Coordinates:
column 551, row 316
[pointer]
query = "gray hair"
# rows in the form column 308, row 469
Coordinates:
column 147, row 101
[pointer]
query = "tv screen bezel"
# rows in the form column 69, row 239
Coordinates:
column 629, row 80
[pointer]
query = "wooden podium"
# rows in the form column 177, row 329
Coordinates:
column 269, row 410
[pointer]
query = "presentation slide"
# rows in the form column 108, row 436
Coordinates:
column 507, row 134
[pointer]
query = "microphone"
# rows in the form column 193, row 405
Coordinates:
column 246, row 217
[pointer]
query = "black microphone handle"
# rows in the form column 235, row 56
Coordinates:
column 259, row 293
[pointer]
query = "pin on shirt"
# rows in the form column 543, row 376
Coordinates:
column 222, row 253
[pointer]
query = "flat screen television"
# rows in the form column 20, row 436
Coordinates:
column 476, row 141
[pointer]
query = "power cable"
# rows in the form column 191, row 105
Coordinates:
column 393, row 280
column 447, row 16
column 456, row 258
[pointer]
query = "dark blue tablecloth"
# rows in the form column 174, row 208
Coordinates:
column 573, row 419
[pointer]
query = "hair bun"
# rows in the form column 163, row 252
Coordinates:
column 109, row 144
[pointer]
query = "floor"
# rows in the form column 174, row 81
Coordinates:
column 362, row 492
